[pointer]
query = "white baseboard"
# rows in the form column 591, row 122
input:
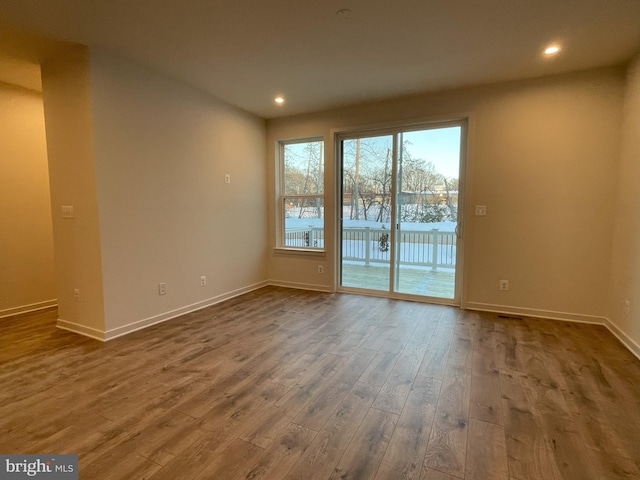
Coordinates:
column 626, row 340
column 532, row 312
column 32, row 307
column 83, row 330
column 104, row 336
column 163, row 317
column 301, row 286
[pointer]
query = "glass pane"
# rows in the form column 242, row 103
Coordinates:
column 304, row 222
column 303, row 168
column 427, row 206
column 366, row 211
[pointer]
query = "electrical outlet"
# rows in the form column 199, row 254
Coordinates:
column 627, row 306
column 320, row 269
column 76, row 294
column 203, row 280
column 481, row 210
column 227, row 178
column 504, row 285
column 162, row 288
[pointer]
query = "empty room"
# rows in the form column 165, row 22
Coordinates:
column 320, row 240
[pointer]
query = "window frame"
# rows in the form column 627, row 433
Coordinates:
column 281, row 196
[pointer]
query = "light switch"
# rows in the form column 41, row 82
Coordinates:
column 481, row 210
column 67, row 211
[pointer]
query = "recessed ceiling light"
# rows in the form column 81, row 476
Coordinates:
column 551, row 50
column 279, row 100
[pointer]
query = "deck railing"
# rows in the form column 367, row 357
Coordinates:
column 425, row 248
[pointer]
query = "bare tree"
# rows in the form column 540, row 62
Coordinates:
column 367, row 177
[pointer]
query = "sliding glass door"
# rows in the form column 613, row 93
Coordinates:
column 367, row 166
column 400, row 211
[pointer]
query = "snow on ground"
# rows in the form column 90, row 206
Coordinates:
column 301, row 223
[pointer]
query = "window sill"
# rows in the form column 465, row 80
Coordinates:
column 309, row 252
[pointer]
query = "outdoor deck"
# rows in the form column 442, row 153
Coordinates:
column 427, row 257
column 423, row 281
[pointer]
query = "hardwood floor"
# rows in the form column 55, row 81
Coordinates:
column 295, row 385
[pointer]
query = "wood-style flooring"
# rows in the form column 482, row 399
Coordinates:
column 295, row 385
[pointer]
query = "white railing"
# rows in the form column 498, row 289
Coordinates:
column 423, row 248
column 304, row 237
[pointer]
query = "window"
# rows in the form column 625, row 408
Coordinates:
column 301, row 194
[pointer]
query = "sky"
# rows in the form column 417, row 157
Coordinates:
column 440, row 146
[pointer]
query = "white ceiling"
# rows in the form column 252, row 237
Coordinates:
column 247, row 51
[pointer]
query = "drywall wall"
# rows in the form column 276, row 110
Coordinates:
column 166, row 214
column 26, row 237
column 625, row 264
column 542, row 157
column 66, row 92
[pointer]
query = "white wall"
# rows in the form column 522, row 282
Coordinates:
column 542, row 157
column 66, row 93
column 166, row 215
column 26, row 237
column 143, row 160
column 625, row 265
